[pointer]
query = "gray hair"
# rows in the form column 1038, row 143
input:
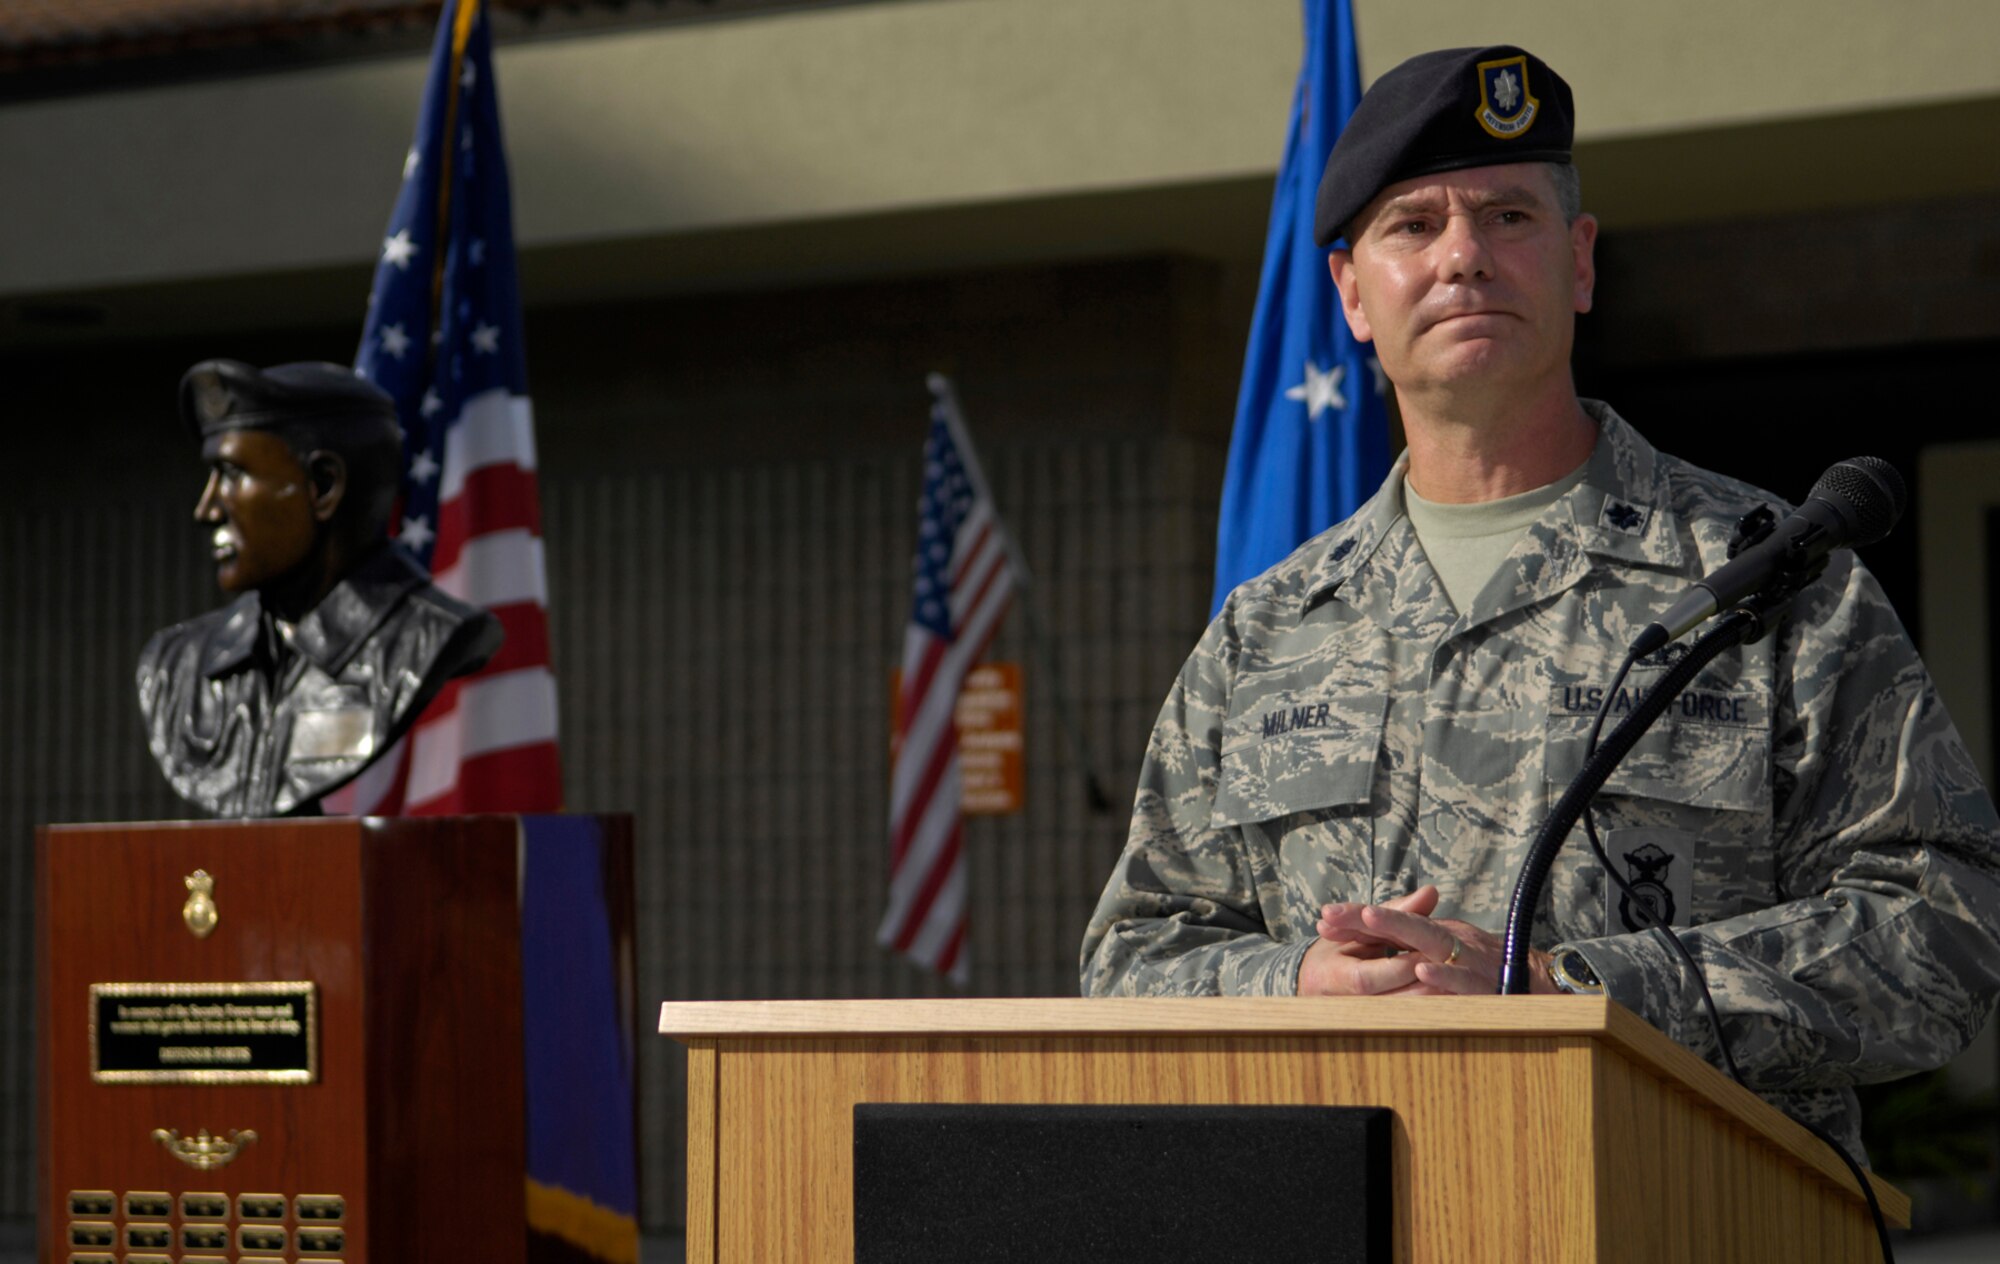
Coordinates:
column 1569, row 189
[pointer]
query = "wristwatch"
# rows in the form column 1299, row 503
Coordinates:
column 1571, row 972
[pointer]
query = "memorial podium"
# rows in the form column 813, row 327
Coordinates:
column 296, row 1039
column 1525, row 1128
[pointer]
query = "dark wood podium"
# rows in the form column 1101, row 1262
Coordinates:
column 293, row 1040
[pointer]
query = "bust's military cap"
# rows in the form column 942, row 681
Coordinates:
column 1442, row 111
column 218, row 395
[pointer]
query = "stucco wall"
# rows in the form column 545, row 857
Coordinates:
column 894, row 108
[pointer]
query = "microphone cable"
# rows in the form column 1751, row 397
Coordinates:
column 1649, row 915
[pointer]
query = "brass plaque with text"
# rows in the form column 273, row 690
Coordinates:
column 204, row 1033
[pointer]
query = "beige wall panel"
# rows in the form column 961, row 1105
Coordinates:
column 838, row 111
column 875, row 109
column 1642, row 67
column 239, row 175
column 899, row 105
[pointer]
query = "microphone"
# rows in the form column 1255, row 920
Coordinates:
column 1854, row 503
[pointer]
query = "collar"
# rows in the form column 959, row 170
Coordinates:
column 235, row 642
column 1621, row 509
column 1624, row 506
column 331, row 632
column 1344, row 549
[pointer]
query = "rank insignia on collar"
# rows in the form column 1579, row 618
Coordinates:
column 1620, row 516
column 1506, row 109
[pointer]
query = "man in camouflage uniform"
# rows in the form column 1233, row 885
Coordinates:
column 1344, row 781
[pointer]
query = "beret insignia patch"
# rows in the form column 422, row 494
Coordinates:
column 211, row 398
column 1506, row 110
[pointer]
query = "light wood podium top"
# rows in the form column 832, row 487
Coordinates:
column 1564, row 1018
column 1159, row 1016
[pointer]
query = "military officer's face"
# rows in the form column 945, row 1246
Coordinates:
column 1468, row 278
column 259, row 502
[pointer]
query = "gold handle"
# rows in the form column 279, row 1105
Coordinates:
column 201, row 1150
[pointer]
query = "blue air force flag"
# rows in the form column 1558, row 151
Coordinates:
column 1312, row 435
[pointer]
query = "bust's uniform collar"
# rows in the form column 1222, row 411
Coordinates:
column 333, row 630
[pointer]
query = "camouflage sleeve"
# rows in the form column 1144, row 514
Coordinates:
column 1881, row 955
column 1182, row 913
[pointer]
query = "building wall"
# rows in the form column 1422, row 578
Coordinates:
column 730, row 487
column 688, row 156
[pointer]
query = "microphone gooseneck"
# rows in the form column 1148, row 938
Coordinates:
column 1856, row 502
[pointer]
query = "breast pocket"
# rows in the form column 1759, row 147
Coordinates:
column 1686, row 817
column 1297, row 752
column 1710, row 750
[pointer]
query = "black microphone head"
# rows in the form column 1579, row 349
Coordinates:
column 1868, row 492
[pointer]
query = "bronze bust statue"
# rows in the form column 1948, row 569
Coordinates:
column 336, row 638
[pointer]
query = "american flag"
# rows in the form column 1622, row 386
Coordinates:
column 964, row 578
column 443, row 336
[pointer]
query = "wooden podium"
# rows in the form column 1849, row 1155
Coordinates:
column 347, row 990
column 1526, row 1128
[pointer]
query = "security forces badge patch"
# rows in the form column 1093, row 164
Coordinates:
column 1657, row 867
column 1506, row 108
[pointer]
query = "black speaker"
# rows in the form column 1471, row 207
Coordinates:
column 1104, row 1184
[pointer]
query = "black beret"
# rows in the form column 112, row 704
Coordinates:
column 1441, row 111
column 218, row 395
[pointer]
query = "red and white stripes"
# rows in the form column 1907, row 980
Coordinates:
column 926, row 918
column 487, row 743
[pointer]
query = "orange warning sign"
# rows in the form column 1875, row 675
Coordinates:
column 989, row 739
column 990, row 744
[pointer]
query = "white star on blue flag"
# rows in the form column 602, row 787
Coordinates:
column 947, row 498
column 1320, row 391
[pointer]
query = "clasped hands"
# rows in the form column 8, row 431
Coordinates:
column 1397, row 948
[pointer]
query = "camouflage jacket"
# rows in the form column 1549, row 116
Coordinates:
column 1805, row 808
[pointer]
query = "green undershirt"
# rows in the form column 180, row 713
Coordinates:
column 1467, row 543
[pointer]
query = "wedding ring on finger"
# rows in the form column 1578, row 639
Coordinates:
column 1457, row 946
